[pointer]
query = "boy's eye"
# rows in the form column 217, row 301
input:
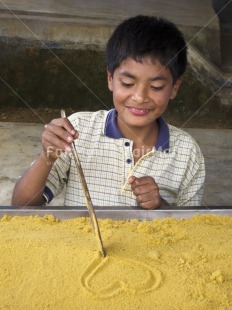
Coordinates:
column 157, row 88
column 126, row 84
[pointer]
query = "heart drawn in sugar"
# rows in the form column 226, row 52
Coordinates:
column 108, row 277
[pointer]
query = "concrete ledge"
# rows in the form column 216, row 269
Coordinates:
column 78, row 32
column 89, row 23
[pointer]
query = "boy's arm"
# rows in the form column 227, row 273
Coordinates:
column 30, row 186
column 56, row 138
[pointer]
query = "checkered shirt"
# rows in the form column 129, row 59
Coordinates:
column 176, row 164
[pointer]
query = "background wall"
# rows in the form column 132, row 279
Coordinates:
column 51, row 56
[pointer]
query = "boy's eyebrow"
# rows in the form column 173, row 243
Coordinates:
column 159, row 78
column 156, row 78
column 128, row 74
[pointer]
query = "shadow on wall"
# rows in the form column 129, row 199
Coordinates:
column 76, row 79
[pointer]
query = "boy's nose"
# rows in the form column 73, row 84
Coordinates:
column 140, row 96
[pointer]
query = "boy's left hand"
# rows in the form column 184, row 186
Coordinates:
column 147, row 192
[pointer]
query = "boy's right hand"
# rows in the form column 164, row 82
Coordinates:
column 57, row 137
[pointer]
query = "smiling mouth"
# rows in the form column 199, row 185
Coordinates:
column 138, row 112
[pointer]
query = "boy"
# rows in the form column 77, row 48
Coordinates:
column 129, row 155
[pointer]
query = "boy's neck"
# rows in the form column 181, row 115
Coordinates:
column 136, row 133
column 143, row 138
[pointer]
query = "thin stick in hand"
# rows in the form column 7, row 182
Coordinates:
column 88, row 200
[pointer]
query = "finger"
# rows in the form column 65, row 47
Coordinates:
column 138, row 182
column 49, row 139
column 58, row 131
column 132, row 179
column 143, row 181
column 65, row 123
column 151, row 196
column 150, row 205
column 145, row 189
column 148, row 201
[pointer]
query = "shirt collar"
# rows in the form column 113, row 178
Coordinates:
column 112, row 131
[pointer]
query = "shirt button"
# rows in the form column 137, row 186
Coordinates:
column 128, row 160
column 127, row 143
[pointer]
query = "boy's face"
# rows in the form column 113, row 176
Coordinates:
column 141, row 92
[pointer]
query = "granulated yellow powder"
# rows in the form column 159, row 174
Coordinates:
column 161, row 264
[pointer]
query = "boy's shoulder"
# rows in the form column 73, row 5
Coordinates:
column 182, row 139
column 178, row 132
column 89, row 115
column 88, row 118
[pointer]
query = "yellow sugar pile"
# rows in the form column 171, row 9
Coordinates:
column 161, row 264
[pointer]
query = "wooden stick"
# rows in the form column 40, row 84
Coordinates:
column 88, row 200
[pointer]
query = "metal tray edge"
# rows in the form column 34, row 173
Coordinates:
column 115, row 214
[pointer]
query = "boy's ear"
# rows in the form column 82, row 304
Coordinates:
column 110, row 80
column 175, row 88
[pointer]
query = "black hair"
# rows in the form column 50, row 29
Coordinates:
column 148, row 36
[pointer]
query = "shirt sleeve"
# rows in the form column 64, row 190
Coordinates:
column 192, row 187
column 58, row 177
